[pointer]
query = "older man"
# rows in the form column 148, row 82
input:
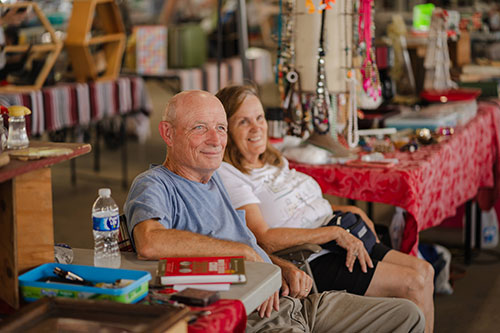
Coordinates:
column 181, row 208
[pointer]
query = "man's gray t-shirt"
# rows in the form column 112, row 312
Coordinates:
column 179, row 203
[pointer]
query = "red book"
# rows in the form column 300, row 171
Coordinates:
column 189, row 270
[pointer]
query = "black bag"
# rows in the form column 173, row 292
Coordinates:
column 354, row 224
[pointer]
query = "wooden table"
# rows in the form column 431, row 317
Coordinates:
column 263, row 279
column 26, row 225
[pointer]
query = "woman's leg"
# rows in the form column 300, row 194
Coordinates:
column 401, row 275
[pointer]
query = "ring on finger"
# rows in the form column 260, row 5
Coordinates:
column 355, row 254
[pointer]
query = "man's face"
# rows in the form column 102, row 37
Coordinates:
column 199, row 137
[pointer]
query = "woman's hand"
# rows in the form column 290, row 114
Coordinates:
column 355, row 249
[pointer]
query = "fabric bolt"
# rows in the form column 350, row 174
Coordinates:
column 103, row 99
column 83, row 98
column 141, row 100
column 332, row 312
column 429, row 183
column 68, row 104
column 125, row 98
column 37, row 119
column 231, row 71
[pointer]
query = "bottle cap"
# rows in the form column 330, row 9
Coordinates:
column 104, row 192
column 18, row 111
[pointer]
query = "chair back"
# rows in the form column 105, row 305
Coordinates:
column 124, row 242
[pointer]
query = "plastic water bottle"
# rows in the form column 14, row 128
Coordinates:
column 106, row 223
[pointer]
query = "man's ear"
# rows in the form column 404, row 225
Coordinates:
column 166, row 131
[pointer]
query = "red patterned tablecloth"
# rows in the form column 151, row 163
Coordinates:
column 430, row 183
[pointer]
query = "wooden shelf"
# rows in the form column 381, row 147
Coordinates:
column 53, row 49
column 106, row 39
column 35, row 48
column 108, row 17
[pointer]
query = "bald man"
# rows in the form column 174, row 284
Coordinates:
column 180, row 208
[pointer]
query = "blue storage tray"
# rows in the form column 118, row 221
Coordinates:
column 33, row 289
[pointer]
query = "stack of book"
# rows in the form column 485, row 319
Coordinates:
column 209, row 273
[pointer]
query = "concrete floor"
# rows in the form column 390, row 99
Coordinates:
column 473, row 307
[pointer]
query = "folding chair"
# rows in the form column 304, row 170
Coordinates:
column 124, row 243
column 298, row 255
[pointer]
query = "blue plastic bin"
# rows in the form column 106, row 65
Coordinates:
column 32, row 288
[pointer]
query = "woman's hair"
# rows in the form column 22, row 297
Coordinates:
column 231, row 98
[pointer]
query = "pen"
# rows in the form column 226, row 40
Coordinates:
column 67, row 275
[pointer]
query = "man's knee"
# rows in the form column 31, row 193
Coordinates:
column 287, row 319
column 410, row 316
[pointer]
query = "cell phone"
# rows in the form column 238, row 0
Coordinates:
column 196, row 297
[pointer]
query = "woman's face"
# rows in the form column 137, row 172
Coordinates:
column 248, row 129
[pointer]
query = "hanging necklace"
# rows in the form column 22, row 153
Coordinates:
column 352, row 109
column 332, row 115
column 369, row 71
column 278, row 56
column 289, row 79
column 322, row 102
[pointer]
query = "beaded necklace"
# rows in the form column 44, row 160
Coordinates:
column 289, row 85
column 322, row 102
column 369, row 71
column 352, row 111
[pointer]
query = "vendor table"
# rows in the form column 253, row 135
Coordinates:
column 26, row 226
column 430, row 183
column 263, row 279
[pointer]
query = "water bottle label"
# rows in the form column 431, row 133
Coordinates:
column 106, row 223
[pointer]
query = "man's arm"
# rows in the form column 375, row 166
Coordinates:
column 154, row 241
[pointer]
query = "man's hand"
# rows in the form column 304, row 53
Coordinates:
column 355, row 250
column 295, row 283
column 267, row 307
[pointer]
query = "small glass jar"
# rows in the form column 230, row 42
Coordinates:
column 17, row 138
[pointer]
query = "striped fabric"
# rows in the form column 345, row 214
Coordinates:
column 69, row 104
